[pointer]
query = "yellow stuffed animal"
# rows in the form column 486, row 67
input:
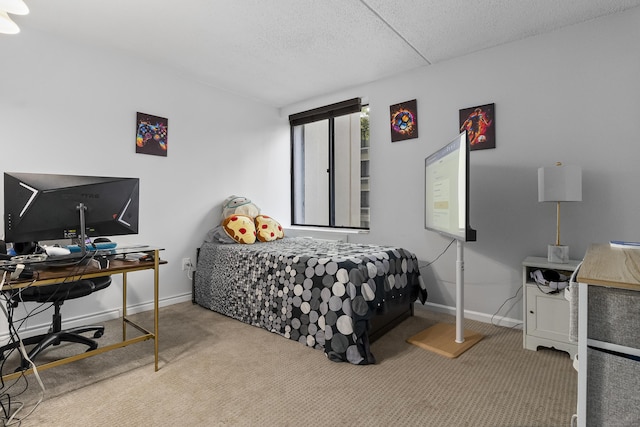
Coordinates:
column 243, row 222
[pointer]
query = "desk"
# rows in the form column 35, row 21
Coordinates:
column 609, row 337
column 116, row 266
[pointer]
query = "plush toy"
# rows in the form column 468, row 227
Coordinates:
column 240, row 206
column 240, row 228
column 268, row 229
column 241, row 221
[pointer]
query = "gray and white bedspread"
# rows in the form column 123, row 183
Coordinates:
column 321, row 293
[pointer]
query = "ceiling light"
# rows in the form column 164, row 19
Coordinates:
column 7, row 26
column 15, row 7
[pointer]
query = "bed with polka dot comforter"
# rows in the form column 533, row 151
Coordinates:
column 321, row 293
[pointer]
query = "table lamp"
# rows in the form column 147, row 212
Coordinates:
column 559, row 183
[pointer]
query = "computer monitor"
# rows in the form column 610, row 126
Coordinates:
column 40, row 207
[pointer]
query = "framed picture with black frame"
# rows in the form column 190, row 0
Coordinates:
column 152, row 134
column 404, row 120
column 480, row 124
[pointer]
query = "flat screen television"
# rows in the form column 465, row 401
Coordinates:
column 446, row 175
column 41, row 207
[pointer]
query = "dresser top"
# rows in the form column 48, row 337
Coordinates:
column 613, row 267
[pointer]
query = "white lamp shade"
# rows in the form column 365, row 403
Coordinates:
column 560, row 183
column 7, row 26
column 15, row 7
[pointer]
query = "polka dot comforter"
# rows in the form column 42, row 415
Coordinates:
column 321, row 293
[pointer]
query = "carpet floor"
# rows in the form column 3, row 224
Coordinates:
column 216, row 371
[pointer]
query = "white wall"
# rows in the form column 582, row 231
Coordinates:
column 570, row 96
column 66, row 108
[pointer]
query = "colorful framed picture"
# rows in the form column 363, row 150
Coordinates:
column 404, row 121
column 480, row 124
column 151, row 134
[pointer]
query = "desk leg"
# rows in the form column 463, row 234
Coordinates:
column 124, row 306
column 583, row 337
column 156, row 296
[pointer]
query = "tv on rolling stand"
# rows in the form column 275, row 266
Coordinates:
column 447, row 213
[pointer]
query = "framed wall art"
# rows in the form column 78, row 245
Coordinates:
column 151, row 134
column 480, row 124
column 404, row 121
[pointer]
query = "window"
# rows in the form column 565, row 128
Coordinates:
column 330, row 166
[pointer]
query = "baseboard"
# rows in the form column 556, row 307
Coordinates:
column 164, row 302
column 472, row 315
column 99, row 317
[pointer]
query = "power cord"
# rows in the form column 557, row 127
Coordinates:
column 499, row 308
column 502, row 305
column 18, row 421
column 438, row 257
column 190, row 270
column 14, row 326
column 5, row 396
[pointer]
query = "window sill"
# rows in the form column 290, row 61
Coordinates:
column 327, row 229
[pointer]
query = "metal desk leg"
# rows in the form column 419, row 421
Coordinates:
column 156, row 296
column 124, row 306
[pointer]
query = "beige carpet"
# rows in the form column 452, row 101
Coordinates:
column 215, row 371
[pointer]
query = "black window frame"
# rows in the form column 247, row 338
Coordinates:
column 327, row 112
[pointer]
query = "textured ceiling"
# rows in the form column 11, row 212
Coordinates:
column 279, row 52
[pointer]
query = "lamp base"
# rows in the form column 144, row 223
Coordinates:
column 558, row 254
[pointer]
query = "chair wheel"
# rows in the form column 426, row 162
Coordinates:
column 98, row 334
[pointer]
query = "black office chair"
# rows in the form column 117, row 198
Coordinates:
column 57, row 294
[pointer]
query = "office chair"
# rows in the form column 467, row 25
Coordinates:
column 56, row 294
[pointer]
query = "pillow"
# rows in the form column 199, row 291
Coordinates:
column 268, row 229
column 240, row 228
column 218, row 235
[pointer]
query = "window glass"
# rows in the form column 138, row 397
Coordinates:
column 330, row 171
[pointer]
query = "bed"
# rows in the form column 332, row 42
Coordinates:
column 327, row 294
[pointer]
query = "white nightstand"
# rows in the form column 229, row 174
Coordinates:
column 545, row 316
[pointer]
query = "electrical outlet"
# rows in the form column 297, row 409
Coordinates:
column 186, row 264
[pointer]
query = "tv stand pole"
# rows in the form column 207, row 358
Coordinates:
column 460, row 293
column 447, row 339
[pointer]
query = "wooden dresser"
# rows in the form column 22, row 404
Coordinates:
column 609, row 337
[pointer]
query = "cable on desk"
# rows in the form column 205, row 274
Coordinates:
column 9, row 416
column 5, row 397
column 10, row 421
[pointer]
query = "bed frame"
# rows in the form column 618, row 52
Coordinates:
column 383, row 323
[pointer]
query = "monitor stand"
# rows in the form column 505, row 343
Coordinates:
column 83, row 233
column 440, row 338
